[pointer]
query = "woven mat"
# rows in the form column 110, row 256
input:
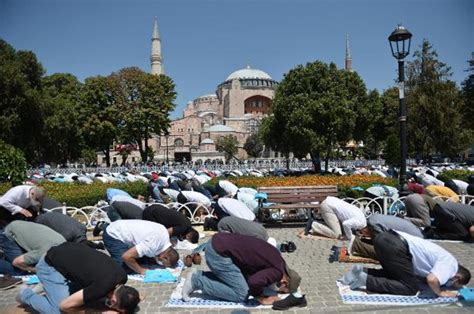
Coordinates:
column 339, row 254
column 199, row 300
column 175, row 271
column 360, row 297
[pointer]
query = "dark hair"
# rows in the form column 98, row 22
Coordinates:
column 193, row 235
column 465, row 275
column 173, row 257
column 127, row 299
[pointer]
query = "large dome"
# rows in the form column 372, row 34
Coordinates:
column 248, row 73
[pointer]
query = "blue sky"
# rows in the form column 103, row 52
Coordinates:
column 203, row 41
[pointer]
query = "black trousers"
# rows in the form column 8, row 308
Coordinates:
column 397, row 275
column 448, row 227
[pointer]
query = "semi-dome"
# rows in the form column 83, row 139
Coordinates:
column 220, row 128
column 207, row 141
column 248, row 73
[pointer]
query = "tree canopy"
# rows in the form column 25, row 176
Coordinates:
column 316, row 108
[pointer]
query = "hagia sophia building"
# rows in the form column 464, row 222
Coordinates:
column 237, row 107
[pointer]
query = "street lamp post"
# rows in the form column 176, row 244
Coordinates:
column 400, row 41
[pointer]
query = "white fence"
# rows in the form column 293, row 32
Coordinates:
column 258, row 165
column 90, row 215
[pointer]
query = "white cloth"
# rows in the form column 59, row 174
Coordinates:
column 462, row 186
column 149, row 238
column 248, row 191
column 236, row 208
column 196, row 197
column 127, row 199
column 249, row 200
column 229, row 187
column 350, row 216
column 16, row 199
column 430, row 258
column 173, row 194
column 427, row 179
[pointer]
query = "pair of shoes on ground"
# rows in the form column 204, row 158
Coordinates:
column 289, row 247
column 289, row 302
column 99, row 227
column 7, row 282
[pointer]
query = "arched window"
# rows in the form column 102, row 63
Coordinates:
column 178, row 142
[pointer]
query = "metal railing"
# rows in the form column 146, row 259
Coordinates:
column 197, row 212
column 248, row 165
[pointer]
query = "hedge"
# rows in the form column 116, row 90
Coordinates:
column 455, row 174
column 79, row 195
column 344, row 183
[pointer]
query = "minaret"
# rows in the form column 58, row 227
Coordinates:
column 348, row 64
column 156, row 59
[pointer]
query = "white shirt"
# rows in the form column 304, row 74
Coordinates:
column 250, row 191
column 249, row 200
column 427, row 179
column 350, row 216
column 462, row 186
column 173, row 194
column 196, row 197
column 16, row 199
column 149, row 238
column 236, row 208
column 430, row 258
column 229, row 187
column 127, row 199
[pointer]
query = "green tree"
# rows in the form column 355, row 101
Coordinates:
column 392, row 151
column 144, row 102
column 100, row 114
column 227, row 144
column 12, row 164
column 253, row 146
column 21, row 112
column 315, row 109
column 62, row 139
column 434, row 106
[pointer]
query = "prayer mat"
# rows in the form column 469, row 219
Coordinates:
column 28, row 279
column 199, row 300
column 176, row 272
column 339, row 254
column 361, row 297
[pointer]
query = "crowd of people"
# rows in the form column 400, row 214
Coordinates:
column 243, row 260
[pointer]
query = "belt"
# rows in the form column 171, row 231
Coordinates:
column 401, row 238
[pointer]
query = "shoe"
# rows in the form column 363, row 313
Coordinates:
column 7, row 282
column 289, row 301
column 284, row 247
column 98, row 228
column 96, row 245
column 291, row 247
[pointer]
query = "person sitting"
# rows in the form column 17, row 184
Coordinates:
column 377, row 223
column 177, row 224
column 23, row 243
column 403, row 257
column 20, row 202
column 73, row 276
column 452, row 221
column 336, row 213
column 68, row 227
column 238, row 271
column 137, row 244
column 419, row 208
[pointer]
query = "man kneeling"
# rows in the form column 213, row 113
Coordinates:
column 238, row 271
column 91, row 274
column 403, row 257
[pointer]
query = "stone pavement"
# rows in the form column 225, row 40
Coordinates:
column 319, row 276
